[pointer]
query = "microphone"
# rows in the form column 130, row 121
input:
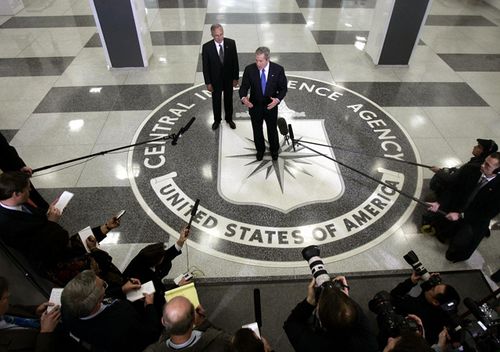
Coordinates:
column 257, row 307
column 282, row 127
column 182, row 131
column 194, row 210
column 292, row 137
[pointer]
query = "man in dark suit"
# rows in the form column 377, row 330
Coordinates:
column 107, row 324
column 37, row 234
column 11, row 161
column 474, row 201
column 221, row 73
column 268, row 85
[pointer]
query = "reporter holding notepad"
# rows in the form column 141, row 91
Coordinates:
column 37, row 234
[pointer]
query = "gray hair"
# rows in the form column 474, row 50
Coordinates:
column 215, row 26
column 81, row 295
column 263, row 50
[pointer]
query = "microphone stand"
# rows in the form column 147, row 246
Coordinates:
column 174, row 137
column 301, row 144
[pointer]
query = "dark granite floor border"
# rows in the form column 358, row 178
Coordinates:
column 176, row 37
column 8, row 134
column 171, row 4
column 338, row 37
column 418, row 93
column 111, row 98
column 472, row 62
column 34, row 66
column 458, row 20
column 160, row 38
column 336, row 4
column 255, row 18
column 49, row 21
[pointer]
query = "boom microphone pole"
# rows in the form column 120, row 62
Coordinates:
column 373, row 156
column 174, row 137
column 299, row 143
column 194, row 210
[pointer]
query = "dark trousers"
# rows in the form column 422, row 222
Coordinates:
column 259, row 115
column 228, row 102
column 463, row 242
column 463, row 238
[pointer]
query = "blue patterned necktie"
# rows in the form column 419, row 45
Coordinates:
column 22, row 322
column 263, row 81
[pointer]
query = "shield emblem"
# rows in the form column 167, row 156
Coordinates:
column 297, row 178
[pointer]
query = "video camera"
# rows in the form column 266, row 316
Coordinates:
column 323, row 280
column 481, row 335
column 390, row 323
column 429, row 280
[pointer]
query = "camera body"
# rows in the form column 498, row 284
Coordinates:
column 323, row 280
column 390, row 323
column 482, row 334
column 430, row 281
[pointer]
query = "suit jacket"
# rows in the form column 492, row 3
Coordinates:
column 118, row 328
column 25, row 340
column 139, row 269
column 33, row 234
column 358, row 338
column 212, row 340
column 39, row 239
column 215, row 73
column 276, row 85
column 483, row 207
column 9, row 159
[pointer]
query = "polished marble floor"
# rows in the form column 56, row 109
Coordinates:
column 51, row 57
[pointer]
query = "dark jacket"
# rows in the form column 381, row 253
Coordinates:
column 276, row 86
column 483, row 207
column 433, row 318
column 212, row 340
column 358, row 338
column 138, row 268
column 118, row 328
column 217, row 74
column 11, row 161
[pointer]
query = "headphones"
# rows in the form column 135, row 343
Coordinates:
column 493, row 147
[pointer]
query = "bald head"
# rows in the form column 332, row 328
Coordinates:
column 178, row 316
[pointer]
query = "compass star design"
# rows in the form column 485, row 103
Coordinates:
column 289, row 161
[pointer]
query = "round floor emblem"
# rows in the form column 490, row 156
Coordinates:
column 266, row 211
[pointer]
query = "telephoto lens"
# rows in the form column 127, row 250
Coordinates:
column 311, row 255
column 412, row 259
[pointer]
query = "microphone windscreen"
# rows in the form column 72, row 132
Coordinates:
column 282, row 126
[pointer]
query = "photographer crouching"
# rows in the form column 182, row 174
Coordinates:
column 328, row 319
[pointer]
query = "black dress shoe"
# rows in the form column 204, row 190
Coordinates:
column 275, row 156
column 260, row 156
column 232, row 124
column 215, row 125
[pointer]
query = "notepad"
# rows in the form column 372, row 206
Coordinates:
column 254, row 327
column 55, row 297
column 188, row 291
column 84, row 234
column 148, row 288
column 63, row 200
